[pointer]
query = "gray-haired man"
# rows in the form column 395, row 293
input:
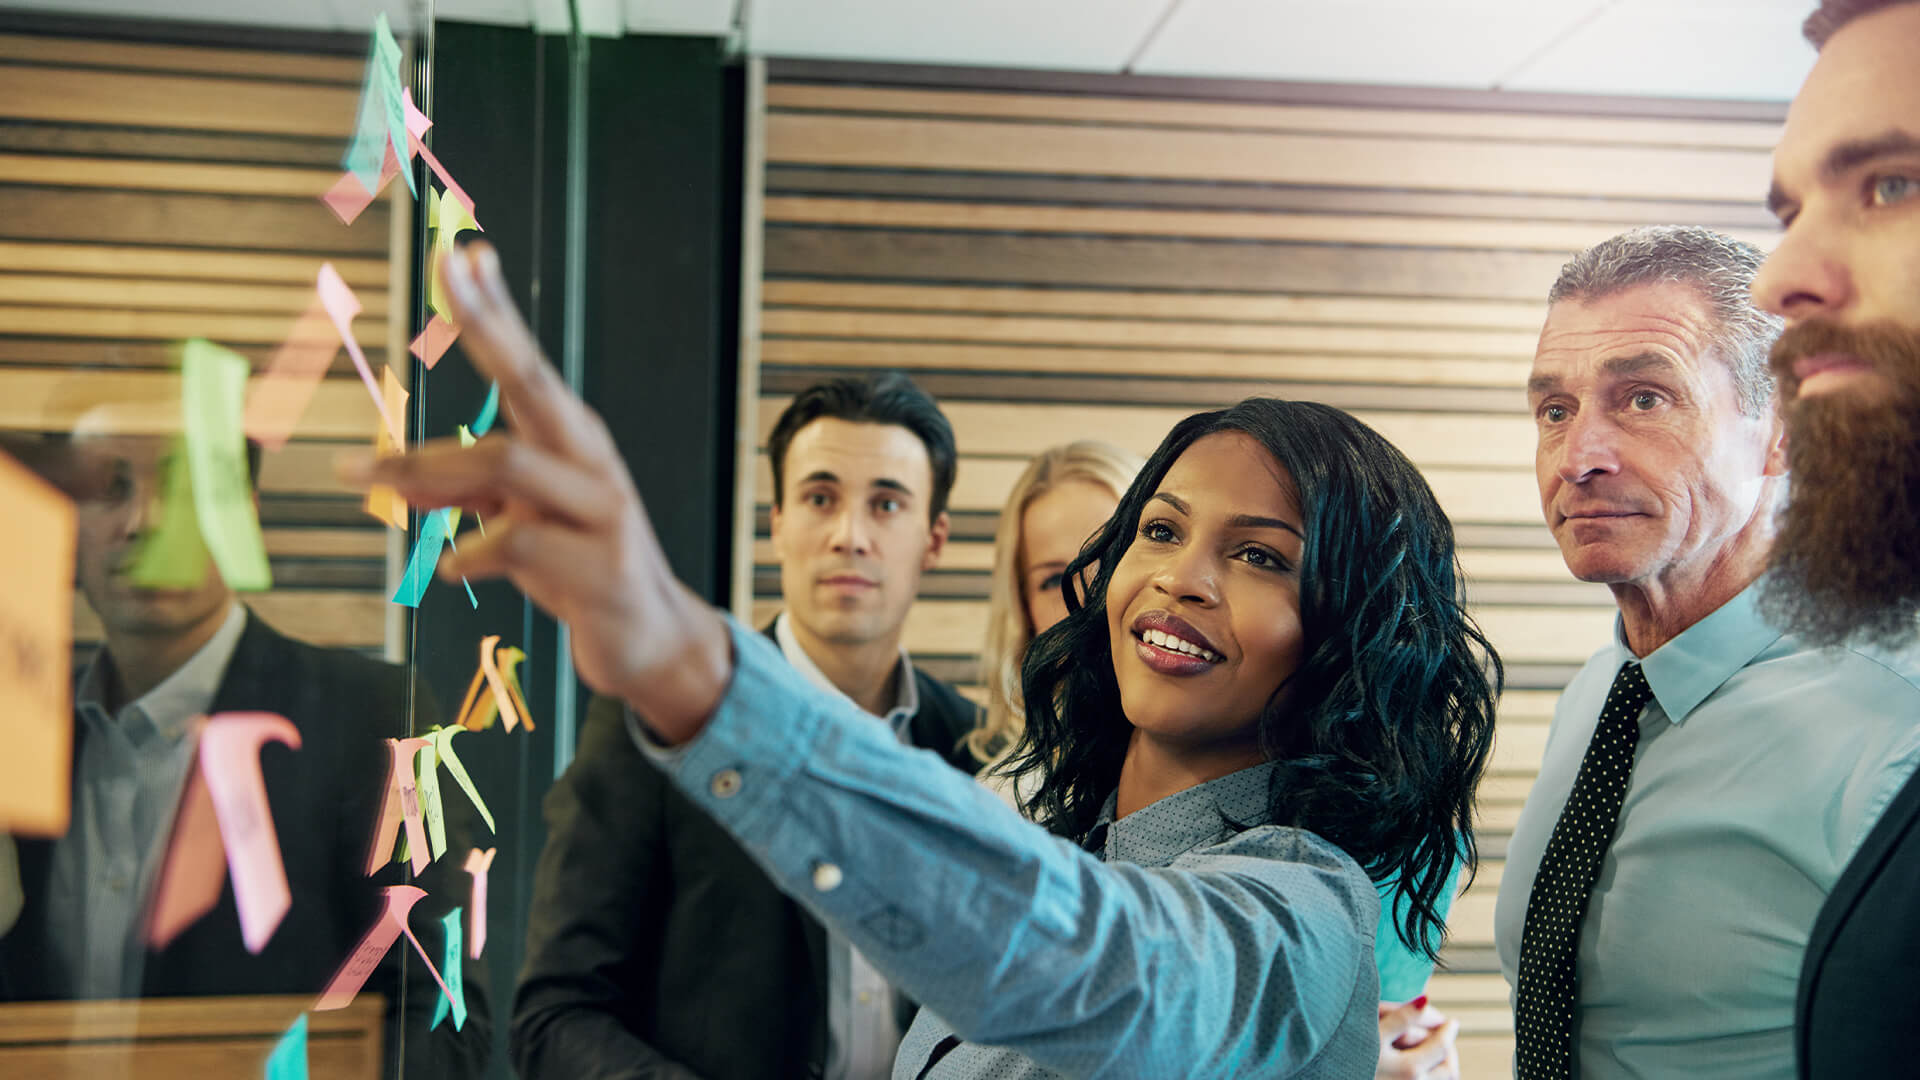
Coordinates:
column 1691, row 812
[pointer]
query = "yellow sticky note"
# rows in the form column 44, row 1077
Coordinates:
column 36, row 654
column 214, row 397
column 384, row 502
column 450, row 217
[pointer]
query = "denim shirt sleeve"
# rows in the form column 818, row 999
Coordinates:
column 1240, row 958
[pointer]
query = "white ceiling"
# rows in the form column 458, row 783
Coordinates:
column 1749, row 49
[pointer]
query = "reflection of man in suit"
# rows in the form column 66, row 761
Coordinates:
column 656, row 948
column 169, row 656
column 1846, row 564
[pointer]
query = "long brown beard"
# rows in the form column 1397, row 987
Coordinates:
column 1846, row 559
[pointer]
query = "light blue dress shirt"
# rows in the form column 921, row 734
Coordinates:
column 1762, row 764
column 1218, row 954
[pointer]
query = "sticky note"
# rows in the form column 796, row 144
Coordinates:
column 453, row 520
column 194, row 871
column 478, row 863
column 456, row 999
column 434, row 340
column 390, row 924
column 489, row 410
column 171, row 553
column 348, row 198
column 400, row 804
column 509, row 660
column 476, row 713
column 425, row 556
column 342, row 306
column 382, row 501
column 279, row 397
column 230, row 764
column 450, row 218
column 496, row 685
column 214, row 389
column 453, row 513
column 289, row 1058
column 381, row 122
column 36, row 651
column 442, row 739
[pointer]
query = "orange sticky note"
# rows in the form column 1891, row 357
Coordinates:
column 498, row 686
column 230, row 763
column 384, row 502
column 434, row 341
column 392, row 922
column 279, row 396
column 401, row 803
column 36, row 651
column 478, row 862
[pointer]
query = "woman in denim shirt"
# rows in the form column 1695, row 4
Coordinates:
column 1269, row 696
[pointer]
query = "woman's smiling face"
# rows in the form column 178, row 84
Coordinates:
column 1203, row 610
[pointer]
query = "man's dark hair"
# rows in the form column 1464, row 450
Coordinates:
column 886, row 397
column 1831, row 15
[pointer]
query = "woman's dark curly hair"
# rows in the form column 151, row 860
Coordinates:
column 1389, row 720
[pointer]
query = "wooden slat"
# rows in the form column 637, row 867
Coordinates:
column 1018, row 428
column 326, row 543
column 1161, row 334
column 1145, row 112
column 187, row 59
column 124, row 174
column 327, row 618
column 67, row 95
column 94, row 352
column 137, row 325
column 44, row 400
column 1140, row 304
column 169, row 264
column 80, row 141
column 1492, row 564
column 71, row 290
column 187, row 219
column 1563, row 238
column 1377, row 161
column 1309, row 367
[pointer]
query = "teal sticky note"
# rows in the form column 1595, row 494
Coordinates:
column 289, row 1058
column 382, row 121
column 488, row 412
column 387, row 50
column 450, row 971
column 215, row 401
column 434, row 526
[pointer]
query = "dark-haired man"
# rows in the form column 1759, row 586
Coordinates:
column 656, row 947
column 170, row 655
column 1846, row 564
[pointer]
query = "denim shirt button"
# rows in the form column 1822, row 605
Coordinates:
column 725, row 784
column 827, row 877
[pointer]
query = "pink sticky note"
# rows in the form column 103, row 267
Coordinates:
column 280, row 395
column 501, row 699
column 348, row 198
column 373, row 945
column 478, row 862
column 342, row 306
column 230, row 764
column 434, row 341
column 417, row 122
column 194, row 871
column 400, row 803
column 453, row 189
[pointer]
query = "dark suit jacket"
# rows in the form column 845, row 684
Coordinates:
column 656, row 948
column 1859, row 1005
column 324, row 798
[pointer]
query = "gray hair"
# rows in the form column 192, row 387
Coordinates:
column 1718, row 267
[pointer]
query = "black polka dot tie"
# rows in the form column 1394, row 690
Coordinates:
column 1550, row 942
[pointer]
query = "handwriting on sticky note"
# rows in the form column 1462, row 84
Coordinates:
column 289, row 1058
column 400, row 803
column 478, row 863
column 36, row 648
column 194, row 869
column 426, row 555
column 230, row 762
column 337, row 297
column 171, row 553
column 450, row 966
column 215, row 390
column 279, row 397
column 366, row 956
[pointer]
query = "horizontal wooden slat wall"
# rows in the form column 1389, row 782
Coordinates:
column 153, row 192
column 1061, row 257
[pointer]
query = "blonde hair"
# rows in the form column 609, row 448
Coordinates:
column 1009, row 624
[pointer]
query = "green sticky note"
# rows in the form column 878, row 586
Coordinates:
column 289, row 1058
column 214, row 398
column 443, row 746
column 450, row 970
column 171, row 554
column 430, row 808
column 450, row 217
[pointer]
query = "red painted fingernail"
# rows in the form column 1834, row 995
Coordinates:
column 1419, row 1002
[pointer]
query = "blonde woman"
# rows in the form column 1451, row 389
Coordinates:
column 1062, row 499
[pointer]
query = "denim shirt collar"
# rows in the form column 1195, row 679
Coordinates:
column 1157, row 834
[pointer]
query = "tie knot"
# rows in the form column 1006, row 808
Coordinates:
column 1630, row 690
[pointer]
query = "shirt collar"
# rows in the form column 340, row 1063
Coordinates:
column 906, row 694
column 171, row 706
column 1687, row 670
column 1156, row 835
